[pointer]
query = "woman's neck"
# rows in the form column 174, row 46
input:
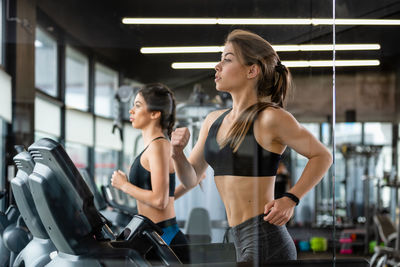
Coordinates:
column 241, row 100
column 150, row 133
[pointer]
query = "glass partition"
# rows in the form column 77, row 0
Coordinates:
column 367, row 110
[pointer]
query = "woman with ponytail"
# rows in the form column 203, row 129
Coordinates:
column 244, row 145
column 151, row 180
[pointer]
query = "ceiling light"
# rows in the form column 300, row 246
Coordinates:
column 291, row 64
column 169, row 21
column 252, row 21
column 329, row 63
column 182, row 49
column 326, row 47
column 193, row 65
column 278, row 48
column 371, row 22
column 264, row 21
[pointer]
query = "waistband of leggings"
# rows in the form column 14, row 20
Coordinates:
column 250, row 222
column 167, row 223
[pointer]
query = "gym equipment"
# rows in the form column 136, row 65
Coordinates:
column 198, row 229
column 14, row 235
column 8, row 218
column 37, row 252
column 366, row 153
column 123, row 214
column 304, row 245
column 66, row 208
column 318, row 244
column 389, row 254
column 124, row 94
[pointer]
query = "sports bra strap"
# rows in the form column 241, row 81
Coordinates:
column 217, row 123
column 160, row 137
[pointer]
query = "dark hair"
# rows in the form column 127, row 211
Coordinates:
column 159, row 97
column 274, row 80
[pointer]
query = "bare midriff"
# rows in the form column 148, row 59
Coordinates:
column 157, row 215
column 244, row 197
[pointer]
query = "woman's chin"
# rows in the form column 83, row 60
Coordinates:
column 133, row 125
column 219, row 88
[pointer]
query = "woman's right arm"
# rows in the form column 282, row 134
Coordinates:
column 190, row 170
column 180, row 190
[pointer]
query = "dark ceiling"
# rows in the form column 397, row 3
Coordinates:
column 96, row 26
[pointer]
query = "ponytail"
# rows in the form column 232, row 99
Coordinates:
column 242, row 125
column 282, row 82
column 172, row 116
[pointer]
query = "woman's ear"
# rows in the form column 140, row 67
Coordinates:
column 155, row 115
column 253, row 71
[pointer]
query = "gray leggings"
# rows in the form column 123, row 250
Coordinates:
column 259, row 241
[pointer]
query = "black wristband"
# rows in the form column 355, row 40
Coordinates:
column 292, row 197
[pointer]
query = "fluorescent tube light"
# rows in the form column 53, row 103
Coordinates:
column 194, row 65
column 329, row 63
column 169, row 21
column 233, row 21
column 278, row 48
column 182, row 49
column 292, row 64
column 250, row 21
column 364, row 22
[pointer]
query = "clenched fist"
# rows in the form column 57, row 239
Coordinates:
column 118, row 179
column 179, row 139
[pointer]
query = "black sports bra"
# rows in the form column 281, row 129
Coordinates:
column 249, row 160
column 140, row 177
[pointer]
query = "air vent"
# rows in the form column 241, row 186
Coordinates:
column 36, row 155
column 18, row 164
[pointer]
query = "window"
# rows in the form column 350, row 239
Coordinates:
column 312, row 128
column 78, row 154
column 105, row 85
column 76, row 79
column 348, row 132
column 1, row 33
column 39, row 135
column 326, row 133
column 47, row 119
column 378, row 133
column 45, row 63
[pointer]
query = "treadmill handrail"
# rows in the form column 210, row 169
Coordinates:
column 106, row 191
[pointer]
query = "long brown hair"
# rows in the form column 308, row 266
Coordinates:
column 159, row 97
column 274, row 80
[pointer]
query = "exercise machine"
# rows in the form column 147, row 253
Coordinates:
column 37, row 252
column 66, row 208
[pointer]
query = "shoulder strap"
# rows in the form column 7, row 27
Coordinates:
column 215, row 126
column 160, row 137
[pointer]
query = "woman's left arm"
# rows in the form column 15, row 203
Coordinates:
column 288, row 132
